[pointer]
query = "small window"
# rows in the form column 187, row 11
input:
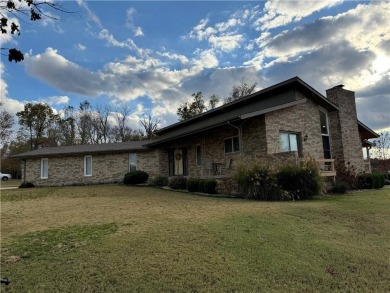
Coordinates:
column 232, row 145
column 44, row 168
column 132, row 162
column 198, row 155
column 88, row 166
column 288, row 142
column 324, row 123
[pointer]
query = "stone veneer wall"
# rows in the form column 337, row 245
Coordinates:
column 303, row 119
column 106, row 168
column 345, row 138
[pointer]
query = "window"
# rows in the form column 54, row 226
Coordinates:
column 88, row 166
column 44, row 168
column 288, row 142
column 132, row 162
column 325, row 134
column 232, row 145
column 198, row 155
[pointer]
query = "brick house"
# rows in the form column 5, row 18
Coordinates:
column 287, row 119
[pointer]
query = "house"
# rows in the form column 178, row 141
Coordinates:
column 289, row 118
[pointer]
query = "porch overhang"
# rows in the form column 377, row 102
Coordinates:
column 366, row 132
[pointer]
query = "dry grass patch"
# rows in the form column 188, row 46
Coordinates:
column 129, row 239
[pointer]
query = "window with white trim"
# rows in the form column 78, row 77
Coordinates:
column 198, row 155
column 88, row 165
column 132, row 162
column 288, row 141
column 232, row 145
column 44, row 168
column 325, row 134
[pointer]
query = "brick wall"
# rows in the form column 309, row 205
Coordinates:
column 106, row 168
column 303, row 119
column 345, row 137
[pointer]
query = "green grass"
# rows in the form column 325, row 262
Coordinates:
column 131, row 239
column 10, row 183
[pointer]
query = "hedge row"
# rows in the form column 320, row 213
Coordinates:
column 193, row 184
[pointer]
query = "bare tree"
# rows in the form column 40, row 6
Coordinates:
column 150, row 125
column 25, row 10
column 240, row 90
column 6, row 122
column 382, row 152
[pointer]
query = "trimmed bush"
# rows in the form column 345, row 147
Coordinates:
column 159, row 181
column 259, row 182
column 135, row 177
column 379, row 180
column 193, row 184
column 386, row 182
column 178, row 182
column 301, row 181
column 339, row 187
column 210, row 186
column 26, row 185
column 365, row 181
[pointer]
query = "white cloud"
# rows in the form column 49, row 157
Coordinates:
column 130, row 22
column 80, row 47
column 279, row 13
column 56, row 100
column 91, row 16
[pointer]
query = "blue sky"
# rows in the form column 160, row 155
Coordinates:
column 154, row 55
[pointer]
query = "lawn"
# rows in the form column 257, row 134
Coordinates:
column 139, row 239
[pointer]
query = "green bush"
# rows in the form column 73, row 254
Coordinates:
column 371, row 181
column 193, row 184
column 339, row 187
column 178, row 182
column 135, row 177
column 386, row 182
column 365, row 181
column 210, row 186
column 379, row 180
column 256, row 181
column 26, row 185
column 301, row 181
column 159, row 181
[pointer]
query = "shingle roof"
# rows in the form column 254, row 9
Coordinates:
column 87, row 149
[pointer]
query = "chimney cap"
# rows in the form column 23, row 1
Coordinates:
column 339, row 86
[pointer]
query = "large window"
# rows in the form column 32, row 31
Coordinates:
column 88, row 165
column 198, row 155
column 132, row 162
column 325, row 134
column 288, row 142
column 232, row 145
column 44, row 168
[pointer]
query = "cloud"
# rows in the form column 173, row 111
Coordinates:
column 280, row 13
column 91, row 16
column 56, row 100
column 80, row 47
column 130, row 22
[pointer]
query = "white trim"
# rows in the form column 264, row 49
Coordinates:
column 85, row 166
column 264, row 111
column 42, row 168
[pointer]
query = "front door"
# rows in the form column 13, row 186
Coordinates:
column 177, row 160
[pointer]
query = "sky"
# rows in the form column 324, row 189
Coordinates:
column 152, row 55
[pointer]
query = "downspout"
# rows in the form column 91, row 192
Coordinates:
column 24, row 169
column 239, row 129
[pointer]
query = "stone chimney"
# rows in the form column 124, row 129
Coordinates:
column 346, row 144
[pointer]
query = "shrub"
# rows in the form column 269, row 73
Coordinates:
column 379, row 180
column 193, row 184
column 135, row 177
column 209, row 186
column 256, row 181
column 347, row 174
column 339, row 187
column 301, row 181
column 386, row 182
column 178, row 182
column 365, row 181
column 26, row 185
column 371, row 181
column 159, row 181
